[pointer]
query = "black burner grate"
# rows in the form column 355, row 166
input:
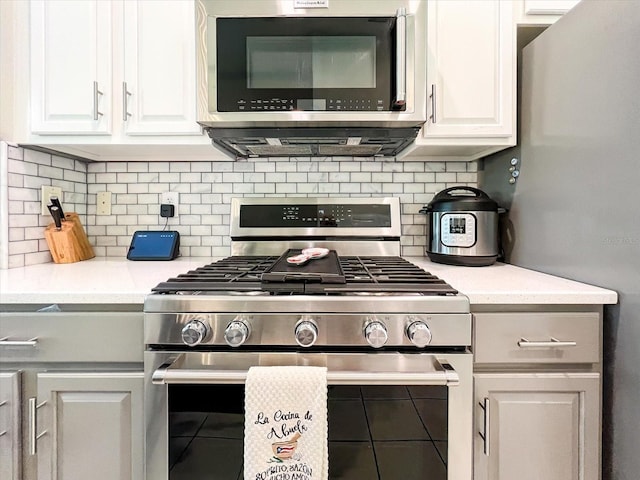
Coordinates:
column 367, row 274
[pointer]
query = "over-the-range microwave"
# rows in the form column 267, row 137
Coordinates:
column 327, row 66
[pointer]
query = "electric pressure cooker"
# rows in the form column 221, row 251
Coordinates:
column 463, row 227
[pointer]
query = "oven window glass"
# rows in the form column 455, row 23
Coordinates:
column 375, row 432
column 311, row 62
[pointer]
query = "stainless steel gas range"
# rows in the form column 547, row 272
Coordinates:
column 394, row 338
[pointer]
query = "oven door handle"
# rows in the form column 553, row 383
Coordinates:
column 168, row 374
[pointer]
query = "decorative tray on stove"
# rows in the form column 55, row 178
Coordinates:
column 320, row 270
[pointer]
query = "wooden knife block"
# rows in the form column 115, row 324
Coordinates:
column 69, row 244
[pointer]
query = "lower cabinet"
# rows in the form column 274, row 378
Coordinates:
column 10, row 438
column 532, row 426
column 87, row 425
column 71, row 394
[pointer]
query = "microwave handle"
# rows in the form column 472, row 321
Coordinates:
column 400, row 100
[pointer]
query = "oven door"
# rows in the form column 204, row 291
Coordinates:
column 390, row 415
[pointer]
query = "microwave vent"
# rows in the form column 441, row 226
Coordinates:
column 313, row 141
column 345, row 150
column 246, row 142
column 279, row 150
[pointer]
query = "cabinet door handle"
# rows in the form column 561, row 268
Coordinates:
column 484, row 435
column 18, row 343
column 433, row 103
column 96, row 96
column 33, row 436
column 553, row 343
column 125, row 97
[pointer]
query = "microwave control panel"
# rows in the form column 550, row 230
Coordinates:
column 307, row 104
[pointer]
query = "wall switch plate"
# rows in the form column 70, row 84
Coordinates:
column 103, row 203
column 170, row 198
column 47, row 192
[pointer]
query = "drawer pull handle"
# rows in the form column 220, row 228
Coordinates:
column 553, row 343
column 18, row 343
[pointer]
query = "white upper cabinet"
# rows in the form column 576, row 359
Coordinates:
column 158, row 90
column 116, row 68
column 469, row 68
column 71, row 67
column 471, row 74
column 543, row 12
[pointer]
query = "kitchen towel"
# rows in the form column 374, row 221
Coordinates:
column 285, row 430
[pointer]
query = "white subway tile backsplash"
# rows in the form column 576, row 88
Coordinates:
column 16, row 153
column 23, row 168
column 286, row 188
column 205, row 192
column 53, row 173
column 138, row 188
column 179, row 167
column 40, row 158
column 62, row 162
column 36, row 258
column 445, row 177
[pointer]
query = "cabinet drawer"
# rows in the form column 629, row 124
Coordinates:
column 537, row 337
column 71, row 337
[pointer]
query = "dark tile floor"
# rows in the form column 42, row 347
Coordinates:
column 375, row 433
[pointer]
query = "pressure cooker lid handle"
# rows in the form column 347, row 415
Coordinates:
column 447, row 192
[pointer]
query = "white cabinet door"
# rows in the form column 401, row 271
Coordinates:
column 71, row 67
column 159, row 85
column 470, row 69
column 542, row 12
column 90, row 426
column 537, row 426
column 548, row 7
column 10, row 437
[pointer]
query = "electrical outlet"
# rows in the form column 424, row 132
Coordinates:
column 103, row 203
column 47, row 192
column 171, row 198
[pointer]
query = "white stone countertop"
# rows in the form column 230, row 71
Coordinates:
column 120, row 281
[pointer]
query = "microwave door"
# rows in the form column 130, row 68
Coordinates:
column 305, row 64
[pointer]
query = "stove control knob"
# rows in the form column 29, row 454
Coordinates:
column 419, row 334
column 194, row 332
column 306, row 333
column 376, row 334
column 236, row 333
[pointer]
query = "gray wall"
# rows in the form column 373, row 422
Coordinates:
column 576, row 206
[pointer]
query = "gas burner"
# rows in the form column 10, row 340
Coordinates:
column 333, row 275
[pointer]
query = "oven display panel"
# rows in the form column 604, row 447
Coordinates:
column 336, row 216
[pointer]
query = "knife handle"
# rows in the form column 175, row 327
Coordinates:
column 56, row 203
column 55, row 213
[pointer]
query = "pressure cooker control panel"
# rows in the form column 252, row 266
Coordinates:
column 458, row 230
